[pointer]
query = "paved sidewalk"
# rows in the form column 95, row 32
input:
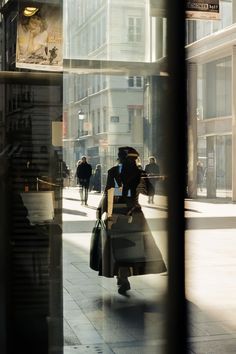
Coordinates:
column 98, row 320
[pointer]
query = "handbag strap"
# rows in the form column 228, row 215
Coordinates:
column 98, row 223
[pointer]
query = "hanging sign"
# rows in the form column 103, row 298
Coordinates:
column 39, row 38
column 202, row 9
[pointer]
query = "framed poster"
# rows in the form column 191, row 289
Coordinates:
column 39, row 39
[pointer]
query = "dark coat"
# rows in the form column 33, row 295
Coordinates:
column 126, row 239
column 97, row 180
column 84, row 170
column 152, row 169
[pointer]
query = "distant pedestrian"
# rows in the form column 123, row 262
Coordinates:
column 139, row 163
column 65, row 174
column 77, row 164
column 83, row 173
column 97, row 179
column 152, row 169
column 200, row 175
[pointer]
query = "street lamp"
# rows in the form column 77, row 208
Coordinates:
column 81, row 115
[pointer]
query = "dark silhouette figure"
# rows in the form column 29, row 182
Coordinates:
column 127, row 245
column 65, row 174
column 97, row 179
column 152, row 169
column 200, row 175
column 83, row 173
column 26, row 251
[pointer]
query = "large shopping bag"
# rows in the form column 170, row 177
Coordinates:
column 95, row 246
column 128, row 247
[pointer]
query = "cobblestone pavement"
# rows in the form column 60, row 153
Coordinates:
column 99, row 320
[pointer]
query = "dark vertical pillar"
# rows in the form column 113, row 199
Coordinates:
column 158, row 134
column 3, row 257
column 176, row 122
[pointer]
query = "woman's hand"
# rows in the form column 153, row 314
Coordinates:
column 98, row 213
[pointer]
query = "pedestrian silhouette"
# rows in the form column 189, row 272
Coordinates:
column 200, row 175
column 83, row 173
column 152, row 169
column 127, row 246
column 96, row 182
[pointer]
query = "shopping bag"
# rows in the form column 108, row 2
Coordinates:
column 95, row 246
column 128, row 247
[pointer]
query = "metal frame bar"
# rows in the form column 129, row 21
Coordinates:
column 176, row 128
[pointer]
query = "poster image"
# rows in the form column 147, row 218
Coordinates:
column 202, row 9
column 39, row 40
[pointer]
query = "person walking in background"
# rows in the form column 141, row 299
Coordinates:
column 65, row 174
column 77, row 164
column 200, row 175
column 152, row 169
column 83, row 174
column 139, row 163
column 97, row 178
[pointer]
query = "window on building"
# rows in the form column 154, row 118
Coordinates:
column 135, row 81
column 115, row 119
column 134, row 115
column 134, row 29
column 215, row 82
column 131, row 81
column 138, row 81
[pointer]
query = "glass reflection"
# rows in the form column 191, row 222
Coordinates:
column 113, row 76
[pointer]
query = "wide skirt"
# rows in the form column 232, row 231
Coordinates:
column 127, row 241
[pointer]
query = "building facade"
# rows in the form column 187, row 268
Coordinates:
column 211, row 80
column 113, row 102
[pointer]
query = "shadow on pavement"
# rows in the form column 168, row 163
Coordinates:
column 72, row 199
column 73, row 212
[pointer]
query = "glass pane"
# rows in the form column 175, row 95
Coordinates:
column 30, row 188
column 210, row 205
column 119, row 306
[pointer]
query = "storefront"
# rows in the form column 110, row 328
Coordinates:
column 211, row 111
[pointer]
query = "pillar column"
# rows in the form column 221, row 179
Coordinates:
column 234, row 124
column 192, row 129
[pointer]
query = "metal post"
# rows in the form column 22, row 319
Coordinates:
column 176, row 123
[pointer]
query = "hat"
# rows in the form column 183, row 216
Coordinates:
column 127, row 151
